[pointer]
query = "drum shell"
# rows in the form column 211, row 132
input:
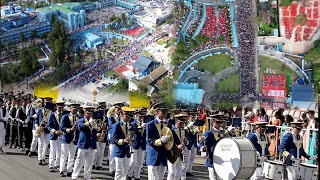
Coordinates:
column 308, row 171
column 273, row 170
column 244, row 167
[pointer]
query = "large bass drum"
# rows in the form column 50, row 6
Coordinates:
column 234, row 158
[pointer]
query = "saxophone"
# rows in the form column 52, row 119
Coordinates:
column 103, row 132
column 43, row 124
column 74, row 126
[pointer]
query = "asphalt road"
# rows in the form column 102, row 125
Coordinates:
column 15, row 165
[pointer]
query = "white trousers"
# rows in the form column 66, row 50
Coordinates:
column 34, row 141
column 122, row 166
column 2, row 134
column 55, row 152
column 99, row 155
column 156, row 172
column 67, row 151
column 212, row 175
column 292, row 175
column 84, row 157
column 192, row 156
column 136, row 163
column 257, row 174
column 43, row 142
column 185, row 164
column 112, row 166
column 174, row 170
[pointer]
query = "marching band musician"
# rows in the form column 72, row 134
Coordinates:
column 259, row 141
column 33, row 115
column 175, row 169
column 3, row 124
column 288, row 148
column 211, row 138
column 138, row 146
column 22, row 125
column 13, row 113
column 120, row 137
column 156, row 153
column 113, row 118
column 102, row 140
column 43, row 131
column 193, row 144
column 87, row 145
column 68, row 125
column 55, row 133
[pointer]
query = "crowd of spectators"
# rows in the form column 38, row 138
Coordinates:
column 224, row 24
column 210, row 26
column 197, row 19
column 246, row 36
column 102, row 65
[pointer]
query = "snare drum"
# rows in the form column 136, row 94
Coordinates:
column 273, row 170
column 308, row 171
column 234, row 158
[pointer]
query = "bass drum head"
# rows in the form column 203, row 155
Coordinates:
column 228, row 158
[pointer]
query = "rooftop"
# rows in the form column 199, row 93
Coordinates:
column 188, row 93
column 91, row 37
column 157, row 73
column 302, row 92
column 142, row 63
column 52, row 8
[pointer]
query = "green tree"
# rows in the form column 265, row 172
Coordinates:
column 193, row 44
column 313, row 56
column 118, row 20
column 182, row 46
column 285, row 2
column 220, row 38
column 142, row 88
column 123, row 16
column 22, row 38
column 166, row 90
column 33, row 34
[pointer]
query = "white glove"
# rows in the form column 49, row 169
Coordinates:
column 230, row 128
column 35, row 116
column 190, row 124
column 164, row 139
column 92, row 122
column 143, row 125
column 292, row 158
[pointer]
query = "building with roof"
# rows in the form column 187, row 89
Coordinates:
column 10, row 10
column 104, row 4
column 188, row 93
column 92, row 40
column 129, row 4
column 145, row 65
column 70, row 14
column 135, row 84
column 153, row 17
column 302, row 96
column 152, row 78
column 12, row 26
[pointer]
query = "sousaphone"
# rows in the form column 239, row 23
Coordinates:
column 173, row 152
